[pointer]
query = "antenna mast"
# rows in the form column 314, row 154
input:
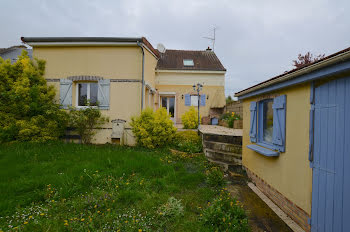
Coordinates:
column 212, row 38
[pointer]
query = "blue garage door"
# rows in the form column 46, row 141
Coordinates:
column 331, row 157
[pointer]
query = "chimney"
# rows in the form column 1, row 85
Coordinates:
column 208, row 49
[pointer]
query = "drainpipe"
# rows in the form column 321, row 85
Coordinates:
column 143, row 76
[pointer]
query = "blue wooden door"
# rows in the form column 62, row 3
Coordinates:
column 331, row 157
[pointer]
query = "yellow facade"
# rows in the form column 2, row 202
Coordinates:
column 290, row 173
column 122, row 64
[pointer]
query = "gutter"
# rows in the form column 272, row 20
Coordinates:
column 143, row 73
column 327, row 62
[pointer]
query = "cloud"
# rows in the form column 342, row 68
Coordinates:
column 255, row 40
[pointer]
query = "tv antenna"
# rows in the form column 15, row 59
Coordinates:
column 212, row 38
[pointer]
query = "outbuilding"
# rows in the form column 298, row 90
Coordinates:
column 296, row 141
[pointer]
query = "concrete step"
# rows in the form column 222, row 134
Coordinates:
column 225, row 147
column 225, row 157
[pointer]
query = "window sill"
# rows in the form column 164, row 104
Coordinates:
column 264, row 151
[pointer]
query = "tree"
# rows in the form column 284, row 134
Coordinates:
column 229, row 99
column 27, row 108
column 308, row 58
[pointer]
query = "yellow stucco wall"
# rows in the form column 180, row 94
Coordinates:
column 211, row 91
column 289, row 173
column 107, row 62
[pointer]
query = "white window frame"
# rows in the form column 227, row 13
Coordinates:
column 88, row 94
column 194, row 102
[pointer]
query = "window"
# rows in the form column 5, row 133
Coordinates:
column 87, row 94
column 194, row 100
column 188, row 62
column 268, row 125
column 267, row 120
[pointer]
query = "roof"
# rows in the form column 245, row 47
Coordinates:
column 91, row 40
column 297, row 72
column 203, row 60
column 3, row 50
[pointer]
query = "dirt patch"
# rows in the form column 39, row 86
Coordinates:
column 261, row 217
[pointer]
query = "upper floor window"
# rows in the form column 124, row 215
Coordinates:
column 188, row 62
column 87, row 94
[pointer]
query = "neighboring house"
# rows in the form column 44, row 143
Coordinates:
column 126, row 75
column 296, row 141
column 13, row 52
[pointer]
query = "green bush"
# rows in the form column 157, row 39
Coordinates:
column 27, row 108
column 188, row 141
column 86, row 121
column 215, row 177
column 172, row 209
column 225, row 214
column 153, row 129
column 190, row 118
column 230, row 118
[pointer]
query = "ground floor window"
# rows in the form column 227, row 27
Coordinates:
column 87, row 93
column 194, row 100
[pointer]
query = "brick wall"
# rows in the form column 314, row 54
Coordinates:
column 287, row 206
column 235, row 106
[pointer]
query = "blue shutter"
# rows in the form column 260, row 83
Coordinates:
column 65, row 93
column 187, row 100
column 252, row 132
column 103, row 94
column 203, row 98
column 279, row 122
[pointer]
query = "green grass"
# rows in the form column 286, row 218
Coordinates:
column 72, row 187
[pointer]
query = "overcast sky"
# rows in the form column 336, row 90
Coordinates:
column 255, row 40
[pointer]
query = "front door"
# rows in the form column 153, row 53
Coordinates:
column 168, row 102
column 331, row 157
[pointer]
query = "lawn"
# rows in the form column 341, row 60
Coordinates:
column 72, row 187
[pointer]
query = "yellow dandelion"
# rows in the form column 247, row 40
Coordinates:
column 126, row 221
column 98, row 211
column 30, row 217
column 42, row 214
column 140, row 230
column 82, row 219
column 108, row 210
column 25, row 223
column 53, row 201
column 66, row 223
column 127, row 183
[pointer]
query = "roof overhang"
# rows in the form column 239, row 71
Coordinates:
column 189, row 71
column 332, row 65
column 89, row 41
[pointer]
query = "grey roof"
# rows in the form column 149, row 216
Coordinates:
column 81, row 39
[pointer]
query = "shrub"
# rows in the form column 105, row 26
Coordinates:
column 225, row 214
column 27, row 108
column 172, row 209
column 153, row 129
column 190, row 119
column 215, row 177
column 85, row 121
column 188, row 141
column 230, row 118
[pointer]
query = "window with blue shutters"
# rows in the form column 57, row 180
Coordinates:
column 268, row 124
column 203, row 98
column 65, row 93
column 187, row 100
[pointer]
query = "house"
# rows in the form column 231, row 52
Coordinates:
column 126, row 75
column 13, row 52
column 296, row 133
